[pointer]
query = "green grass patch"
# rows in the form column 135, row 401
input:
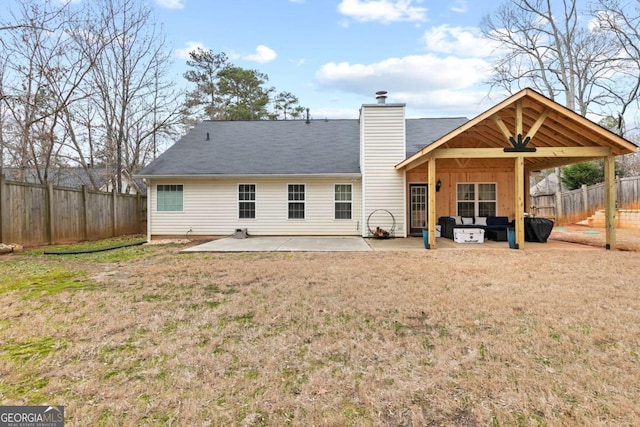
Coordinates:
column 30, row 349
column 27, row 389
column 104, row 256
column 36, row 279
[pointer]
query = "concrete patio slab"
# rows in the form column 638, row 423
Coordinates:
column 283, row 244
column 358, row 244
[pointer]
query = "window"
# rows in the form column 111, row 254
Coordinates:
column 296, row 201
column 476, row 199
column 247, row 201
column 342, row 197
column 169, row 198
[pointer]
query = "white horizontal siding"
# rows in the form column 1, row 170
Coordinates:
column 382, row 147
column 211, row 208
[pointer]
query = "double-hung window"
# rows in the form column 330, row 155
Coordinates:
column 296, row 197
column 247, row 201
column 476, row 199
column 169, row 198
column 343, row 201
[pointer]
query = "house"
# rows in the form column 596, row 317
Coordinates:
column 349, row 177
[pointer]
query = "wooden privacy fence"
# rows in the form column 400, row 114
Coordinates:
column 572, row 206
column 32, row 214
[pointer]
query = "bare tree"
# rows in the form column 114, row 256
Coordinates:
column 128, row 86
column 546, row 46
column 32, row 52
column 622, row 22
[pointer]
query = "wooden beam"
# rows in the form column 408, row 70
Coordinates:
column 554, row 163
column 538, row 124
column 610, row 201
column 431, row 203
column 519, row 201
column 518, row 117
column 503, row 128
column 486, row 153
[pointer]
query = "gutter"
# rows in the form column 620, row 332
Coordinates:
column 209, row 176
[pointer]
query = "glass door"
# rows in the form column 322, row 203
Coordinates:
column 417, row 208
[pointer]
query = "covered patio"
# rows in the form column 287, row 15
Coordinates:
column 526, row 132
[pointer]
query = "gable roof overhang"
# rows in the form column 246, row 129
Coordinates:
column 560, row 136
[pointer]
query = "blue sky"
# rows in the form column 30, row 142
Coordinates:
column 334, row 54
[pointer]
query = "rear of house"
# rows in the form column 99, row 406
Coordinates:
column 269, row 177
column 349, row 177
column 319, row 177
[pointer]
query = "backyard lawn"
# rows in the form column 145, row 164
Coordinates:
column 144, row 335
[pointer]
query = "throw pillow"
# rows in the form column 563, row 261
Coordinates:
column 481, row 220
column 458, row 220
column 467, row 220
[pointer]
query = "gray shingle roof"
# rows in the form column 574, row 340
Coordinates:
column 422, row 132
column 285, row 147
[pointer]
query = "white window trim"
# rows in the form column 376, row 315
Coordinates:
column 255, row 201
column 476, row 201
column 304, row 202
column 156, row 201
column 342, row 201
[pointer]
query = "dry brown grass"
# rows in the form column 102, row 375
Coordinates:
column 444, row 337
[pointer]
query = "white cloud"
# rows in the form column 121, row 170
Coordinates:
column 460, row 6
column 462, row 41
column 171, row 4
column 184, row 52
column 414, row 71
column 384, row 11
column 263, row 55
column 442, row 86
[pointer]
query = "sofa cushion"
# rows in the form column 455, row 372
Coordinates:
column 480, row 220
column 501, row 221
column 457, row 219
column 467, row 220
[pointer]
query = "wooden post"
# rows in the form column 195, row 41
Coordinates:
column 558, row 206
column 113, row 212
column 519, row 198
column 2, row 206
column 610, row 200
column 85, row 210
column 527, row 192
column 431, row 203
column 138, row 213
column 50, row 214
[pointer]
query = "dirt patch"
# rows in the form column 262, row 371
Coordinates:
column 626, row 239
column 444, row 337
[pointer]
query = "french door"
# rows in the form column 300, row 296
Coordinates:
column 417, row 208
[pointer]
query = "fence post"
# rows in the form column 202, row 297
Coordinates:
column 585, row 200
column 85, row 210
column 2, row 205
column 558, row 206
column 113, row 212
column 50, row 213
column 138, row 212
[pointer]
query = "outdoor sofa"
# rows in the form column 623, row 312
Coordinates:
column 495, row 227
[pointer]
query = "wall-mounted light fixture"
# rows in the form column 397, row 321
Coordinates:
column 438, row 185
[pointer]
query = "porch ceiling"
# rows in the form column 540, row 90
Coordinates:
column 560, row 135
